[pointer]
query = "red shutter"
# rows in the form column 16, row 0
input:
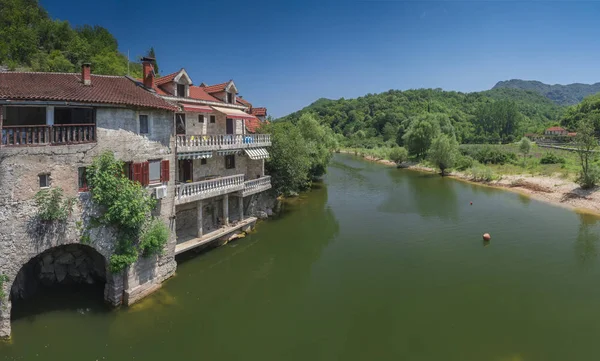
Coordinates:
column 145, row 173
column 137, row 173
column 164, row 171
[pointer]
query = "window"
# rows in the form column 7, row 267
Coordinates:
column 128, row 170
column 230, row 98
column 230, row 161
column 181, row 90
column 73, row 115
column 203, row 161
column 200, row 118
column 44, row 180
column 144, row 126
column 82, row 179
column 213, row 118
column 154, row 171
column 180, row 123
column 25, row 116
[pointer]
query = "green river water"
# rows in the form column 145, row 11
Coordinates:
column 376, row 263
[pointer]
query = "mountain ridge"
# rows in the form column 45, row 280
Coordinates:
column 560, row 94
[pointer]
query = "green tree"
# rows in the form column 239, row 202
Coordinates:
column 524, row 147
column 389, row 131
column 586, row 144
column 289, row 162
column 444, row 152
column 320, row 143
column 398, row 155
column 152, row 54
column 420, row 133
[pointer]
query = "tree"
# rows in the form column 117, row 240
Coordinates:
column 420, row 133
column 320, row 143
column 586, row 144
column 389, row 131
column 398, row 155
column 289, row 162
column 444, row 152
column 152, row 54
column 525, row 147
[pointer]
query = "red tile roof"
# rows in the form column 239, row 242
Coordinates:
column 243, row 101
column 68, row 87
column 259, row 112
column 573, row 134
column 556, row 129
column 252, row 124
column 167, row 78
column 216, row 88
column 200, row 93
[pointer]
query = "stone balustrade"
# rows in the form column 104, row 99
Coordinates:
column 190, row 192
column 256, row 185
column 199, row 142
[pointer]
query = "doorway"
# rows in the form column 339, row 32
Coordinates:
column 229, row 126
column 180, row 124
column 186, row 170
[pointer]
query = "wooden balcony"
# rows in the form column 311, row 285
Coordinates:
column 38, row 135
column 194, row 142
column 190, row 192
column 256, row 186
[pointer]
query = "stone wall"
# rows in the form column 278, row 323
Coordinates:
column 216, row 166
column 23, row 238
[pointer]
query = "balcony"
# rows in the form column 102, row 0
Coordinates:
column 38, row 135
column 190, row 192
column 193, row 143
column 256, row 186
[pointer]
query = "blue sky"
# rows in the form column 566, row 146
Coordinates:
column 286, row 54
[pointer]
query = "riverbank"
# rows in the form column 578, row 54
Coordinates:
column 551, row 189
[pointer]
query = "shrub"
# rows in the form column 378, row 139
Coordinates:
column 551, row 158
column 51, row 205
column 464, row 162
column 590, row 178
column 487, row 154
column 154, row 238
column 398, row 155
column 443, row 152
column 482, row 174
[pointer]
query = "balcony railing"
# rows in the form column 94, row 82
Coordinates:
column 193, row 142
column 33, row 135
column 256, row 185
column 189, row 192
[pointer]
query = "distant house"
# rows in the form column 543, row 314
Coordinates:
column 556, row 131
column 572, row 134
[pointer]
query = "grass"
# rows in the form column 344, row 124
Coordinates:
column 529, row 166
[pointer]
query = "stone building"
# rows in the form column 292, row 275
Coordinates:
column 220, row 160
column 192, row 149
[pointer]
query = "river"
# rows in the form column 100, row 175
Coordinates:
column 375, row 263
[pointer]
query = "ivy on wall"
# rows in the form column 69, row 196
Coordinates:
column 52, row 205
column 126, row 206
column 3, row 279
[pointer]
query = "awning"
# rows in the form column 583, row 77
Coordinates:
column 196, row 108
column 227, row 152
column 234, row 113
column 195, row 155
column 257, row 153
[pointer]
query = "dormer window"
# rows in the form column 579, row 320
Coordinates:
column 230, row 98
column 181, row 90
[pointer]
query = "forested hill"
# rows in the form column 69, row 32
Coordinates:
column 31, row 40
column 489, row 116
column 560, row 94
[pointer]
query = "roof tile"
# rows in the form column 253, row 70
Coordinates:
column 104, row 89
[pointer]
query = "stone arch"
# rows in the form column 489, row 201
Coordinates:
column 64, row 263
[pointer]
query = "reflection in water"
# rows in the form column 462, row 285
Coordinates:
column 525, row 199
column 587, row 238
column 430, row 195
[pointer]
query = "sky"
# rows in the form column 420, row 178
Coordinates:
column 286, row 54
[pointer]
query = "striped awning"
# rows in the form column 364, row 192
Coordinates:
column 257, row 153
column 195, row 155
column 227, row 152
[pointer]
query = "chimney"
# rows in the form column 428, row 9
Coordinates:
column 86, row 74
column 148, row 71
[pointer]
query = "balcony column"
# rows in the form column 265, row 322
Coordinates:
column 241, row 205
column 226, row 209
column 199, row 218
